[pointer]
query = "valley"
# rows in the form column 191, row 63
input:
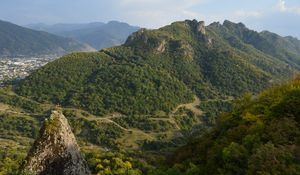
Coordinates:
column 182, row 99
column 123, row 133
column 19, row 68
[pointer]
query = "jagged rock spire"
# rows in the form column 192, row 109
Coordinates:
column 201, row 27
column 55, row 151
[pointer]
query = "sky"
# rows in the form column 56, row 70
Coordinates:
column 279, row 16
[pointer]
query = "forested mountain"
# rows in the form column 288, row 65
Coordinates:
column 100, row 84
column 17, row 40
column 285, row 48
column 98, row 35
column 132, row 106
column 212, row 62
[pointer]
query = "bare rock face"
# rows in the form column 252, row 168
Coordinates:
column 202, row 33
column 162, row 46
column 55, row 151
column 201, row 27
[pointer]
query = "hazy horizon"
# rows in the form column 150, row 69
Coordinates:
column 279, row 16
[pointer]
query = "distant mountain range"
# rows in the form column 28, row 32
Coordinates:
column 98, row 35
column 16, row 40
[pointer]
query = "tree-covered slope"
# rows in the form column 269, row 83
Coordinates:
column 284, row 48
column 16, row 40
column 200, row 57
column 212, row 62
column 98, row 83
column 260, row 136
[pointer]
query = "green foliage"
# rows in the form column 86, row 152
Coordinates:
column 235, row 159
column 102, row 134
column 11, row 157
column 112, row 164
column 18, row 126
column 284, row 48
column 214, row 108
column 177, row 169
column 157, row 70
column 260, row 136
column 97, row 132
column 17, row 101
column 186, row 119
column 52, row 124
column 268, row 159
column 144, row 123
column 93, row 82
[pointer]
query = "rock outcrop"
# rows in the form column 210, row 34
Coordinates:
column 162, row 46
column 55, row 151
column 201, row 27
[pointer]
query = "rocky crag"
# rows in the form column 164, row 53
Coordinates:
column 55, row 151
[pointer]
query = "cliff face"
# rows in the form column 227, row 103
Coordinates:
column 55, row 151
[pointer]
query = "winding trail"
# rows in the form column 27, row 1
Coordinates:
column 191, row 106
column 109, row 118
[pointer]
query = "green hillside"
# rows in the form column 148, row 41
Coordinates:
column 260, row 136
column 137, row 139
column 284, row 48
column 154, row 65
column 99, row 84
column 16, row 40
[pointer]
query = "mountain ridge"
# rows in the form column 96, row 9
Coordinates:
column 16, row 40
column 212, row 61
column 97, row 34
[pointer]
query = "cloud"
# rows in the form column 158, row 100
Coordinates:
column 282, row 7
column 170, row 3
column 156, row 13
column 243, row 14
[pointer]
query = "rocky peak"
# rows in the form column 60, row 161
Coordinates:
column 162, row 46
column 137, row 36
column 230, row 24
column 201, row 27
column 55, row 151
